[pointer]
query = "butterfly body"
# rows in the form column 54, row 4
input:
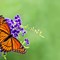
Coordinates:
column 7, row 41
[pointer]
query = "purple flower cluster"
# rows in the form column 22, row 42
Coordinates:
column 15, row 27
column 27, row 41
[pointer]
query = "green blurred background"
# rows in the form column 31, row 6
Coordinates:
column 43, row 15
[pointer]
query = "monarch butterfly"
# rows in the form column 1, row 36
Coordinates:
column 7, row 41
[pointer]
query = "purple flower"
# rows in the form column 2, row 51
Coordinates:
column 27, row 41
column 15, row 26
column 23, row 32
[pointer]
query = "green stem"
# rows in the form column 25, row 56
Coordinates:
column 26, row 47
column 4, row 56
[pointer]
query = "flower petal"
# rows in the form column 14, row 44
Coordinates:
column 27, row 41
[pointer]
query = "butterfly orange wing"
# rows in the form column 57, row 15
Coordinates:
column 4, row 25
column 12, row 44
column 4, row 29
column 6, row 46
